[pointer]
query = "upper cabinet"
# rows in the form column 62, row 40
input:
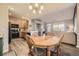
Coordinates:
column 23, row 23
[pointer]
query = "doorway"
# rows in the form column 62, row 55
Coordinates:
column 38, row 26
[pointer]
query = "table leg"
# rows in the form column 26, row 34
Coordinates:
column 48, row 52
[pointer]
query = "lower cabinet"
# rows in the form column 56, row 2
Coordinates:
column 23, row 34
column 1, row 47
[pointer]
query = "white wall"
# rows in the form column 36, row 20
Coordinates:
column 69, row 24
column 4, row 25
column 77, row 25
column 75, row 22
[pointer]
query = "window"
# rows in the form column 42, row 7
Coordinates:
column 55, row 27
column 58, row 27
column 49, row 27
column 61, row 27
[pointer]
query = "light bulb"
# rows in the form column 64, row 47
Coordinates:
column 34, row 11
column 42, row 7
column 30, row 7
column 36, row 4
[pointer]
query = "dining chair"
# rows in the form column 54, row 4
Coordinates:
column 50, row 34
column 33, row 49
column 59, row 34
column 57, row 49
column 30, row 45
column 34, row 34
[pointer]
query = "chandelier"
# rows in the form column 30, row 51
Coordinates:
column 36, row 7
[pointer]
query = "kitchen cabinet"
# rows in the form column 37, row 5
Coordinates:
column 23, row 28
column 23, row 34
column 23, row 25
column 1, row 46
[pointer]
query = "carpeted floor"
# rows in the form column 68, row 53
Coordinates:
column 19, row 47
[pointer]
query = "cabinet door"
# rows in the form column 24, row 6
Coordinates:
column 21, row 23
column 1, row 47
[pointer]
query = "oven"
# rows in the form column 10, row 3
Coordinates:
column 13, row 31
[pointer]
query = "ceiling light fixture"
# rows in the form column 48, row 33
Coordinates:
column 36, row 8
column 11, row 9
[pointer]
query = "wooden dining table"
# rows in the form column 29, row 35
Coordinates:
column 47, row 42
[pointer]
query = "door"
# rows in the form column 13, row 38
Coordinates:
column 38, row 28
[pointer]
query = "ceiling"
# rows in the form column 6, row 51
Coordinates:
column 52, row 11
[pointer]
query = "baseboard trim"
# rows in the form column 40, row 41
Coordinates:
column 68, row 44
column 77, row 46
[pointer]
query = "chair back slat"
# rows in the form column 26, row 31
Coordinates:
column 29, row 41
column 50, row 34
